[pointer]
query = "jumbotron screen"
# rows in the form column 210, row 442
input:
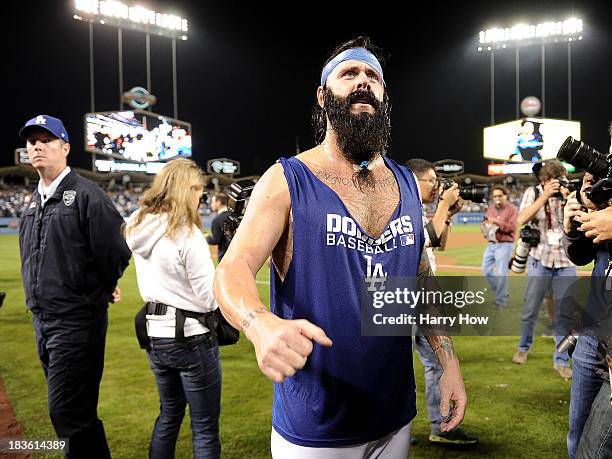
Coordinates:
column 528, row 139
column 137, row 136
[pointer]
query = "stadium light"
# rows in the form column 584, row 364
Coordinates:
column 531, row 34
column 119, row 14
column 523, row 35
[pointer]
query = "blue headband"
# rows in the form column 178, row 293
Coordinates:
column 353, row 54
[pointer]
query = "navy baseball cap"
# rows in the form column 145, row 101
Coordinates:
column 54, row 125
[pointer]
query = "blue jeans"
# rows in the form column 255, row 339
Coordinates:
column 497, row 256
column 187, row 373
column 71, row 351
column 596, row 440
column 539, row 280
column 585, row 386
column 433, row 371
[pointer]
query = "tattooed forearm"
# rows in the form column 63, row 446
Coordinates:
column 437, row 334
column 251, row 315
column 442, row 347
column 424, row 268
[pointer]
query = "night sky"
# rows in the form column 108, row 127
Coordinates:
column 248, row 74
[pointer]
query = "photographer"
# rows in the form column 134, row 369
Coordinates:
column 217, row 236
column 581, row 250
column 438, row 228
column 586, row 240
column 499, row 228
column 547, row 263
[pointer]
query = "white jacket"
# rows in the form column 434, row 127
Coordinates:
column 178, row 272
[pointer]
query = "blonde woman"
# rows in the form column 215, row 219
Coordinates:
column 175, row 274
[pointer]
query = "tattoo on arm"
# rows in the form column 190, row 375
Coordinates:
column 436, row 335
column 442, row 347
column 251, row 315
column 424, row 266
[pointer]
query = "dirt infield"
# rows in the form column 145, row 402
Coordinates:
column 9, row 427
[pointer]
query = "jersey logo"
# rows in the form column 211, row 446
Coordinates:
column 69, row 197
column 406, row 239
column 375, row 276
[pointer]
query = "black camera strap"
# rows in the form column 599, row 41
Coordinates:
column 547, row 210
column 536, row 192
column 434, row 240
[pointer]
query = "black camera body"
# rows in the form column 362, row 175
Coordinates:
column 583, row 156
column 571, row 185
column 238, row 198
column 475, row 193
column 528, row 237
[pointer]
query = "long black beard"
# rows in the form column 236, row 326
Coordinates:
column 362, row 136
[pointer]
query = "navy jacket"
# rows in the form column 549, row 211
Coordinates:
column 72, row 250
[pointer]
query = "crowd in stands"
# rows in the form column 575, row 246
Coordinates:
column 125, row 199
column 13, row 199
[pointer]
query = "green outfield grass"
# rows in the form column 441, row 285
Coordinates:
column 471, row 255
column 516, row 411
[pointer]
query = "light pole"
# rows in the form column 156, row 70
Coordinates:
column 123, row 16
column 524, row 35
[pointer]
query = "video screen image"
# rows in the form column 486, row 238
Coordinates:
column 137, row 136
column 528, row 139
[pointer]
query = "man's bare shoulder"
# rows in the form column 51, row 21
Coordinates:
column 272, row 185
column 311, row 157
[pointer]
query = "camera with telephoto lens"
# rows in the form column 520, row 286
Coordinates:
column 475, row 193
column 529, row 237
column 238, row 198
column 583, row 156
column 568, row 343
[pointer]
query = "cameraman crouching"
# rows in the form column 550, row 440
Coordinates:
column 547, row 263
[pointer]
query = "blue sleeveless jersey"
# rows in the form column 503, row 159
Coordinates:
column 362, row 388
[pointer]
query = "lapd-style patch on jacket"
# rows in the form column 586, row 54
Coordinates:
column 68, row 197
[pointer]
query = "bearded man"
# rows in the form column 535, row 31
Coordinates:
column 330, row 217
